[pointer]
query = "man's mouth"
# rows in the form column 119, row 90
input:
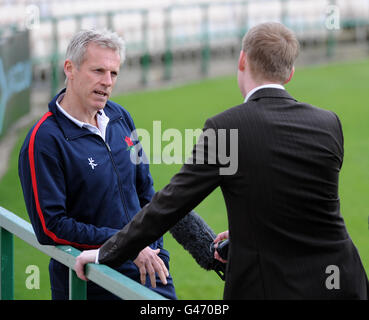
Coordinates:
column 100, row 93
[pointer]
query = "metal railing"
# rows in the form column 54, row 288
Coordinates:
column 109, row 279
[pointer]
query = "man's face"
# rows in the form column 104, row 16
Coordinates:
column 94, row 80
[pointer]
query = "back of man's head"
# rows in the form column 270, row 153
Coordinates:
column 271, row 50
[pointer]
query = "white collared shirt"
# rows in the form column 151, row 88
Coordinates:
column 271, row 85
column 102, row 120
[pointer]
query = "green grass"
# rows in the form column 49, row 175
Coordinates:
column 341, row 88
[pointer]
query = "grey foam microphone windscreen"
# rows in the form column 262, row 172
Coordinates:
column 193, row 233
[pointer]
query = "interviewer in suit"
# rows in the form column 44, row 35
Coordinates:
column 288, row 239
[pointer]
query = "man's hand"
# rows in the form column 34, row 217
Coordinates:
column 85, row 257
column 220, row 237
column 149, row 262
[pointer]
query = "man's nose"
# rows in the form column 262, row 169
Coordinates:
column 107, row 79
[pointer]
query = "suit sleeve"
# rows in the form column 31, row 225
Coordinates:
column 195, row 181
column 341, row 135
column 340, row 139
column 44, row 189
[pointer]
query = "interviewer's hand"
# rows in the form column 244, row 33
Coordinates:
column 149, row 262
column 220, row 237
column 85, row 257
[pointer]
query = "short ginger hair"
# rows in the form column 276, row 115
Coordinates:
column 271, row 49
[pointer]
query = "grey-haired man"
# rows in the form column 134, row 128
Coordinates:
column 79, row 183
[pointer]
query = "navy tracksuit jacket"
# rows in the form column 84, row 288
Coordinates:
column 80, row 190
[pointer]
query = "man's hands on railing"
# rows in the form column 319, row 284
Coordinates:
column 147, row 261
column 85, row 257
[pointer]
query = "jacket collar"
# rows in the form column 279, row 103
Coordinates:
column 69, row 128
column 270, row 93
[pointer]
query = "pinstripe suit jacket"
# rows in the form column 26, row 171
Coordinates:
column 286, row 229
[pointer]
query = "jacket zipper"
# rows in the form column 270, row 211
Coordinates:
column 119, row 182
column 114, row 165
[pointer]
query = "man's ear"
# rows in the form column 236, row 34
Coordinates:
column 68, row 69
column 291, row 75
column 242, row 61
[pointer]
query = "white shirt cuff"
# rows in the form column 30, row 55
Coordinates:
column 97, row 257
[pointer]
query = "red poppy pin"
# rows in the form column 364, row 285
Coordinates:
column 129, row 142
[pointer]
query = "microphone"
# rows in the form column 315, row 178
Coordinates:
column 196, row 237
column 222, row 248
